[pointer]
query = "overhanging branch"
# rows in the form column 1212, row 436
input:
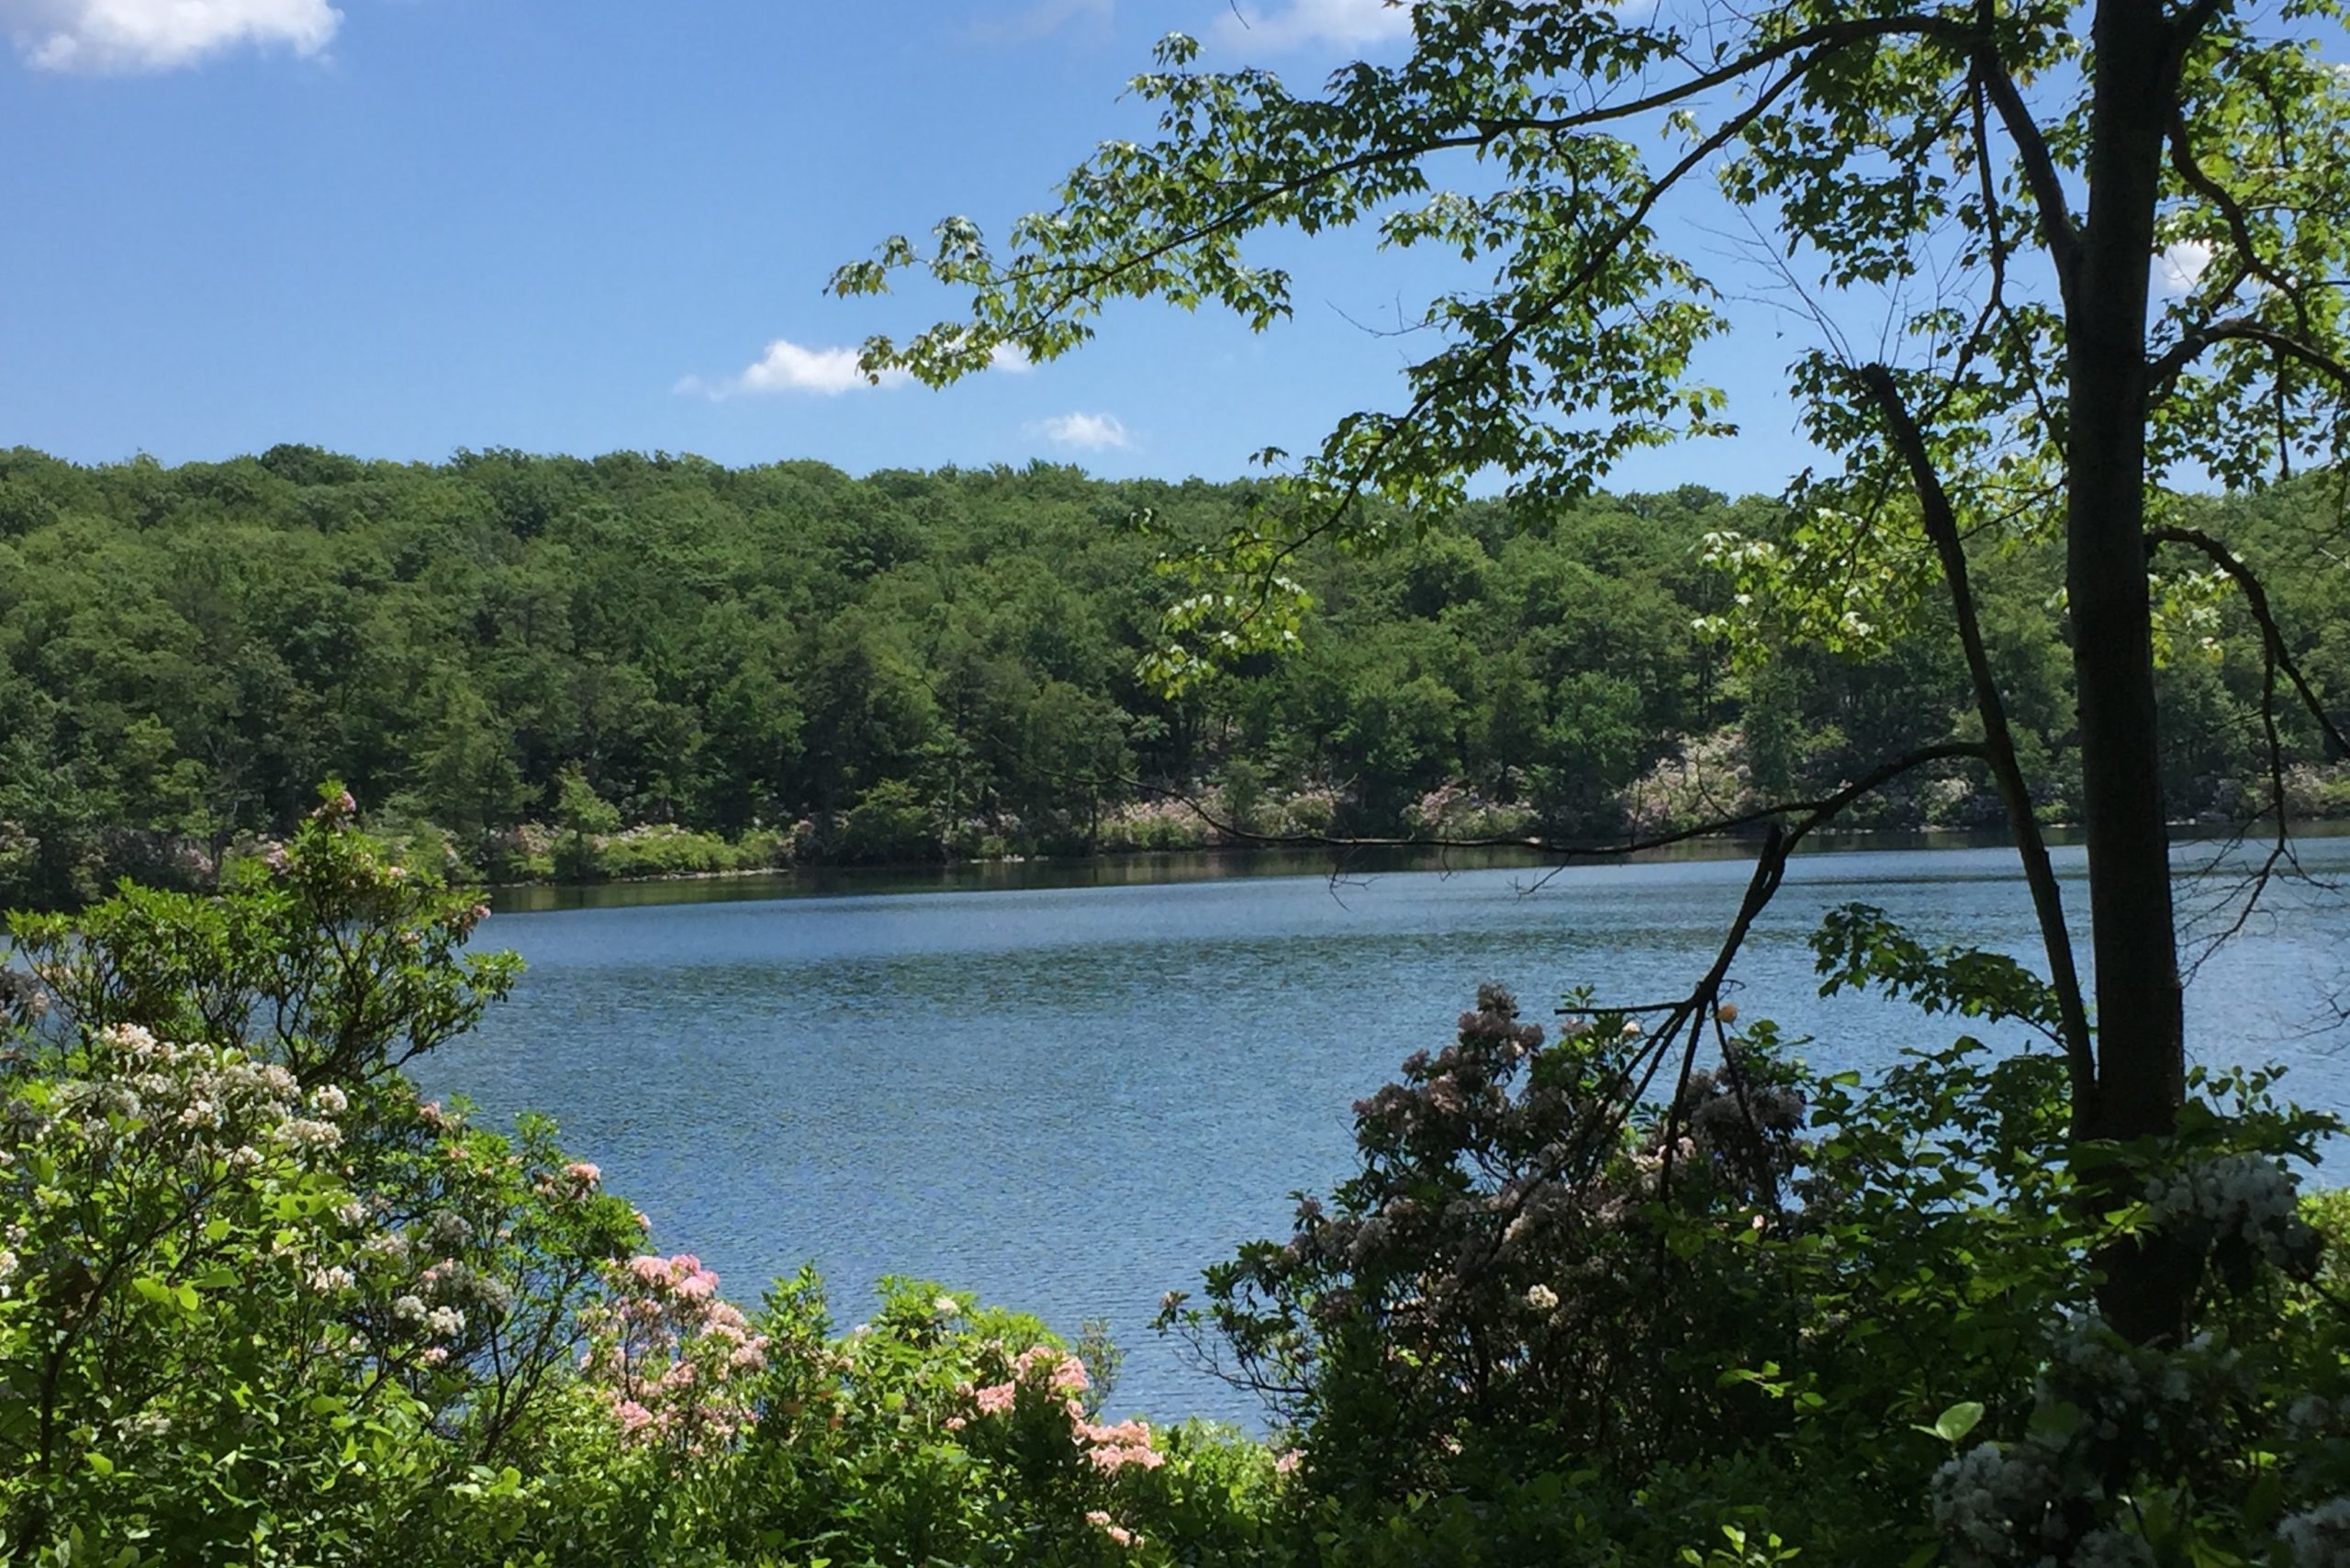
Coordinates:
column 1999, row 752
column 2255, row 598
column 2166, row 367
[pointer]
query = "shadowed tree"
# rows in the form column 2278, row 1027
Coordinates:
column 1994, row 182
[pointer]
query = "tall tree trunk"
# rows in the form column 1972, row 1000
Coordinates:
column 2140, row 1045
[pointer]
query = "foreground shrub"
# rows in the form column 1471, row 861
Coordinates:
column 1582, row 1301
column 1548, row 1320
column 260, row 1302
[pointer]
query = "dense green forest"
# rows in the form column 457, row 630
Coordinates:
column 645, row 664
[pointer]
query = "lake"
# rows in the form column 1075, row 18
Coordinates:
column 1070, row 1097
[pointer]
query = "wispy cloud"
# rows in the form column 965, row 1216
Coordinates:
column 1045, row 18
column 1348, row 24
column 2181, row 266
column 788, row 366
column 1092, row 432
column 123, row 37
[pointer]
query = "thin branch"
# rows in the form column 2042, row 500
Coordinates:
column 2232, row 213
column 1998, row 740
column 2168, row 366
column 2255, row 597
column 1623, row 1093
column 2056, row 226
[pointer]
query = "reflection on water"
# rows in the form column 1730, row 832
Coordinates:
column 1068, row 1088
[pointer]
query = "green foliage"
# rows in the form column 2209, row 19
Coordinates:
column 1775, row 1313
column 973, row 637
column 256, row 1300
column 261, row 1304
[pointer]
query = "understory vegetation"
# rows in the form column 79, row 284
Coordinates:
column 260, row 1302
column 645, row 666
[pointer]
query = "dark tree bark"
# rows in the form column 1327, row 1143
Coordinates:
column 2141, row 1043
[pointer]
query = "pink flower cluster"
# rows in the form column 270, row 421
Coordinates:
column 1056, row 1378
column 1111, row 1449
column 1119, row 1535
column 674, row 1357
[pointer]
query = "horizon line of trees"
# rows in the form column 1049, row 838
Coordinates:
column 550, row 665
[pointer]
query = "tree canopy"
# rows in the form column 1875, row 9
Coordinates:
column 481, row 651
column 1968, row 200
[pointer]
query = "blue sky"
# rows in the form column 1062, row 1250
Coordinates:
column 397, row 228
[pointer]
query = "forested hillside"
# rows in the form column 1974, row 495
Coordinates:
column 551, row 666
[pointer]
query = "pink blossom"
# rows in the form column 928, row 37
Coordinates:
column 994, row 1400
column 1115, row 1448
column 1289, row 1463
column 1117, row 1533
column 582, row 1173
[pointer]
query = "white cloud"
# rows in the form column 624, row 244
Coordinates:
column 105, row 37
column 2180, row 267
column 1348, row 23
column 787, row 367
column 1094, row 432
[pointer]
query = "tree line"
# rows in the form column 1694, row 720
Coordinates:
column 548, row 665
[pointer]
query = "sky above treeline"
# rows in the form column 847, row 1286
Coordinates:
column 399, row 227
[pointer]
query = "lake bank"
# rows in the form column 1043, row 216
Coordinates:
column 1151, row 867
column 1073, row 1097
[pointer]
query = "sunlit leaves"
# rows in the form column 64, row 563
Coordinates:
column 1912, row 177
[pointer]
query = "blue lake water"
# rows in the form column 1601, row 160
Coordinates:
column 1070, row 1097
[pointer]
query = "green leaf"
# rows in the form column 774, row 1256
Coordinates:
column 1958, row 1420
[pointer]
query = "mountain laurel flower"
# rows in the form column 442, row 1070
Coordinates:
column 947, row 1307
column 1117, row 1533
column 313, row 1134
column 444, row 1322
column 1542, row 1298
column 329, row 1100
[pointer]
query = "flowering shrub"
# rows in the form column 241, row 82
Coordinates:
column 1455, row 810
column 245, row 1266
column 1538, row 1322
column 1504, row 1266
column 675, row 1358
column 1158, row 823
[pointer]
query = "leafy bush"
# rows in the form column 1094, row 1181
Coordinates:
column 889, row 822
column 245, row 1264
column 260, row 1302
column 1536, row 1323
